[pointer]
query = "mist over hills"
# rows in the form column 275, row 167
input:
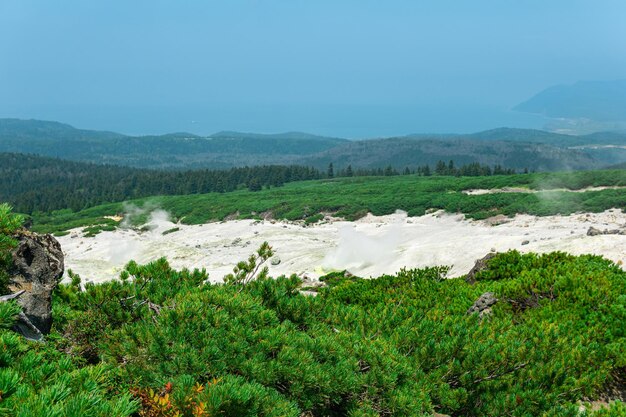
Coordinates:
column 512, row 148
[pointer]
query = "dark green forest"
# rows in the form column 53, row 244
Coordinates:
column 32, row 183
column 164, row 343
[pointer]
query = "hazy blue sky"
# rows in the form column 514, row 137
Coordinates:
column 355, row 68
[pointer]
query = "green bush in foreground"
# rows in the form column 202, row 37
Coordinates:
column 9, row 223
column 399, row 345
column 165, row 343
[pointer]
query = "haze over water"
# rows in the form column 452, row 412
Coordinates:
column 349, row 69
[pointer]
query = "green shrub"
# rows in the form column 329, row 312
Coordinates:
column 9, row 224
column 160, row 342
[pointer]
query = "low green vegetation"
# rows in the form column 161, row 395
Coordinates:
column 9, row 223
column 161, row 342
column 91, row 231
column 354, row 197
column 164, row 343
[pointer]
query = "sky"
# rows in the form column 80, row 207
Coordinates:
column 347, row 68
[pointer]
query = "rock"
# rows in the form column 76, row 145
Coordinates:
column 23, row 324
column 28, row 223
column 38, row 267
column 497, row 220
column 526, row 242
column 267, row 215
column 27, row 329
column 232, row 216
column 592, row 231
column 275, row 260
column 482, row 306
column 480, row 265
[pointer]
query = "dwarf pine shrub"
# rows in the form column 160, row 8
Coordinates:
column 160, row 342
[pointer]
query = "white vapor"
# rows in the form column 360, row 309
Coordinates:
column 132, row 245
column 356, row 250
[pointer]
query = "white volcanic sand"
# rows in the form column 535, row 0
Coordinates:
column 481, row 191
column 368, row 247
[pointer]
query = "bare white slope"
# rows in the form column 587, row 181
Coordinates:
column 368, row 247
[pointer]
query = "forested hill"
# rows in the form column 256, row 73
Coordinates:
column 176, row 150
column 399, row 152
column 513, row 148
column 34, row 183
column 531, row 136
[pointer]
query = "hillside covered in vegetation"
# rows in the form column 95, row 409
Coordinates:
column 176, row 150
column 35, row 183
column 546, row 339
column 518, row 149
column 354, row 197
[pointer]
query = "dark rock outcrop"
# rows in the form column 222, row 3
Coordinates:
column 480, row 265
column 23, row 324
column 37, row 268
column 592, row 231
column 482, row 306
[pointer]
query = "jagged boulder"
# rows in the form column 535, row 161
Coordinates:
column 480, row 265
column 37, row 268
column 482, row 306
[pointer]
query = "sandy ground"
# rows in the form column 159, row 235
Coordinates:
column 368, row 247
column 481, row 191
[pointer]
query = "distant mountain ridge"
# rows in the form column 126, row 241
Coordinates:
column 406, row 152
column 285, row 135
column 513, row 148
column 582, row 107
column 597, row 100
column 174, row 150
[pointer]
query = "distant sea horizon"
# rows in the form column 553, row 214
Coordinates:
column 343, row 121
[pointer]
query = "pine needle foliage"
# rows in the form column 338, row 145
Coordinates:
column 399, row 345
column 162, row 343
column 245, row 272
column 9, row 224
